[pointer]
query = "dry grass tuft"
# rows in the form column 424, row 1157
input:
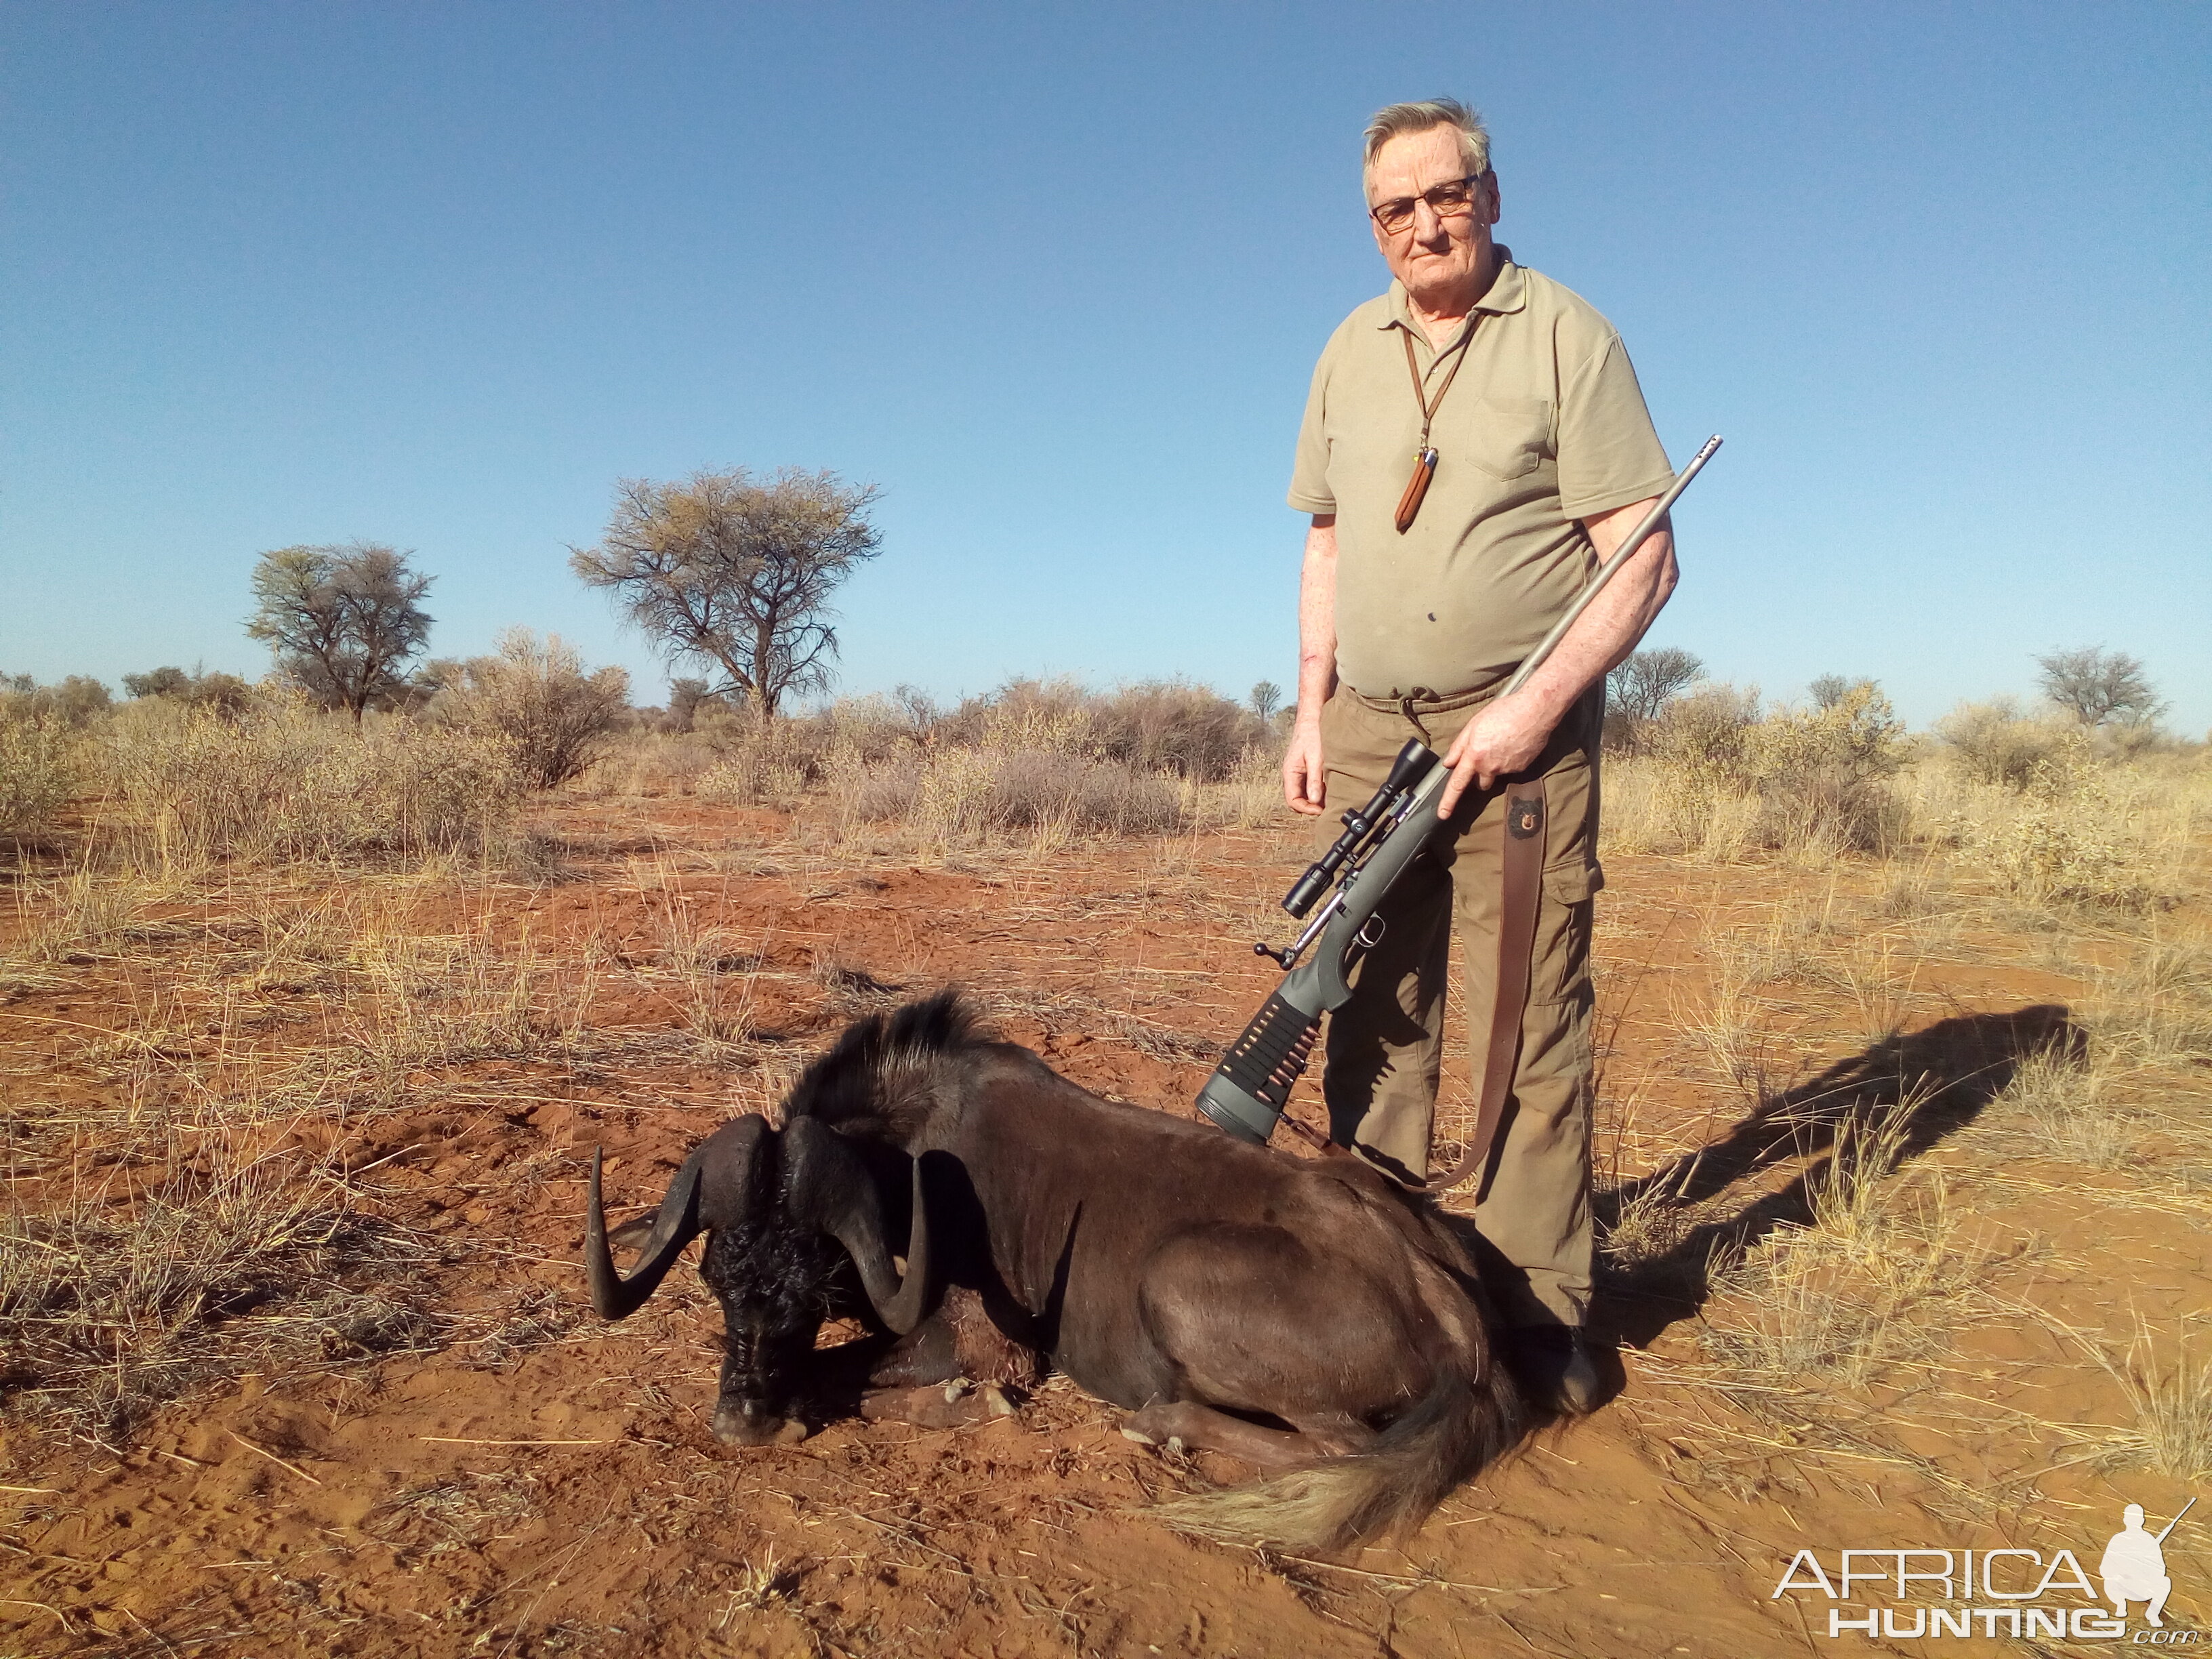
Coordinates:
column 1727, row 1024
column 2155, row 1008
column 1647, row 1226
column 1880, row 982
column 707, row 971
column 133, row 1291
column 1885, row 1272
column 2065, row 1106
column 960, row 796
column 84, row 915
column 436, row 999
column 759, row 1585
column 2173, row 1403
column 648, row 765
column 2170, row 1400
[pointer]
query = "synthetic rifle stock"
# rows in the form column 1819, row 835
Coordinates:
column 1248, row 1091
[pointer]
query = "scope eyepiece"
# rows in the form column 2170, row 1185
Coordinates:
column 1411, row 765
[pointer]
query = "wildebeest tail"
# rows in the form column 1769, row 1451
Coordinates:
column 878, row 1071
column 1335, row 1503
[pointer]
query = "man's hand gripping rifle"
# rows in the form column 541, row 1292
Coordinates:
column 1247, row 1091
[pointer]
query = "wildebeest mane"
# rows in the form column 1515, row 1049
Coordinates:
column 876, row 1080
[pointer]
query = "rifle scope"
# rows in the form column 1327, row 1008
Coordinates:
column 1411, row 765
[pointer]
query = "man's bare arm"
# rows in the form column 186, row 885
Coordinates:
column 1303, row 778
column 1509, row 735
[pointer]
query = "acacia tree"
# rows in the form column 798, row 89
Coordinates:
column 158, row 682
column 342, row 621
column 1645, row 682
column 2099, row 686
column 1639, row 690
column 224, row 694
column 686, row 697
column 722, row 570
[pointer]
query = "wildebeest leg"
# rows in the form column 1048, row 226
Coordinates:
column 954, row 1406
column 1208, row 1430
column 1261, row 1320
column 923, row 1356
column 959, row 1341
column 926, row 1380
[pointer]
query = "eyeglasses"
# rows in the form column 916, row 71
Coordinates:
column 1452, row 199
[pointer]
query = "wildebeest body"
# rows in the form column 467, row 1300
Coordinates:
column 1121, row 1261
column 1302, row 1315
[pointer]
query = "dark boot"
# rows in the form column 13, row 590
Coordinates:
column 1560, row 1369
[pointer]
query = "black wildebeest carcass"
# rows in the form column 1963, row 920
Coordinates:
column 1303, row 1315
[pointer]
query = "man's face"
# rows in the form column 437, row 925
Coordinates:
column 1434, row 255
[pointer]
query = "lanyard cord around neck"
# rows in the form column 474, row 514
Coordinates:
column 1429, row 406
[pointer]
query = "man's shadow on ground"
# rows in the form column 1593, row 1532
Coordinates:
column 1904, row 1095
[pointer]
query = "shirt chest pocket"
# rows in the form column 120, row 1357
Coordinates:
column 1506, row 437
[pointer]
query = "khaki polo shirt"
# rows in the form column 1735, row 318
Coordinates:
column 1545, row 425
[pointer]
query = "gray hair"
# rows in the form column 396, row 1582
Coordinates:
column 1396, row 120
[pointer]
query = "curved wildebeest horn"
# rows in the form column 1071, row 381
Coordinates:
column 832, row 1190
column 716, row 1176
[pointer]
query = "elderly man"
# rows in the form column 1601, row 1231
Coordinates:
column 1475, row 446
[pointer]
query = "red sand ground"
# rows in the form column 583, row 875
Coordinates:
column 535, row 1483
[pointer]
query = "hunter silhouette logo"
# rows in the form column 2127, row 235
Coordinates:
column 1525, row 817
column 2019, row 1593
column 2134, row 1566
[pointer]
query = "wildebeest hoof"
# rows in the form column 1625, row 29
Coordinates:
column 1139, row 1437
column 955, row 1388
column 1175, row 1445
column 995, row 1401
column 734, row 1427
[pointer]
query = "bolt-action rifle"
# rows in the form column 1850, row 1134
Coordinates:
column 1246, row 1093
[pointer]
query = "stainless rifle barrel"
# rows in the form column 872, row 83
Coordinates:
column 1626, row 550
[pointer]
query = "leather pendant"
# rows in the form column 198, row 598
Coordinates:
column 1409, row 504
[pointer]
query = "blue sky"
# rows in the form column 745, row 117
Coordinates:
column 1054, row 277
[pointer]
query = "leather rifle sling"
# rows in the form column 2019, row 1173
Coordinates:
column 1523, row 887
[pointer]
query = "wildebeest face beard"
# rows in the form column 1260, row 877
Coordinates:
column 776, row 1283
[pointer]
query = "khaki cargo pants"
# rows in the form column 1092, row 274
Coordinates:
column 1384, row 1050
